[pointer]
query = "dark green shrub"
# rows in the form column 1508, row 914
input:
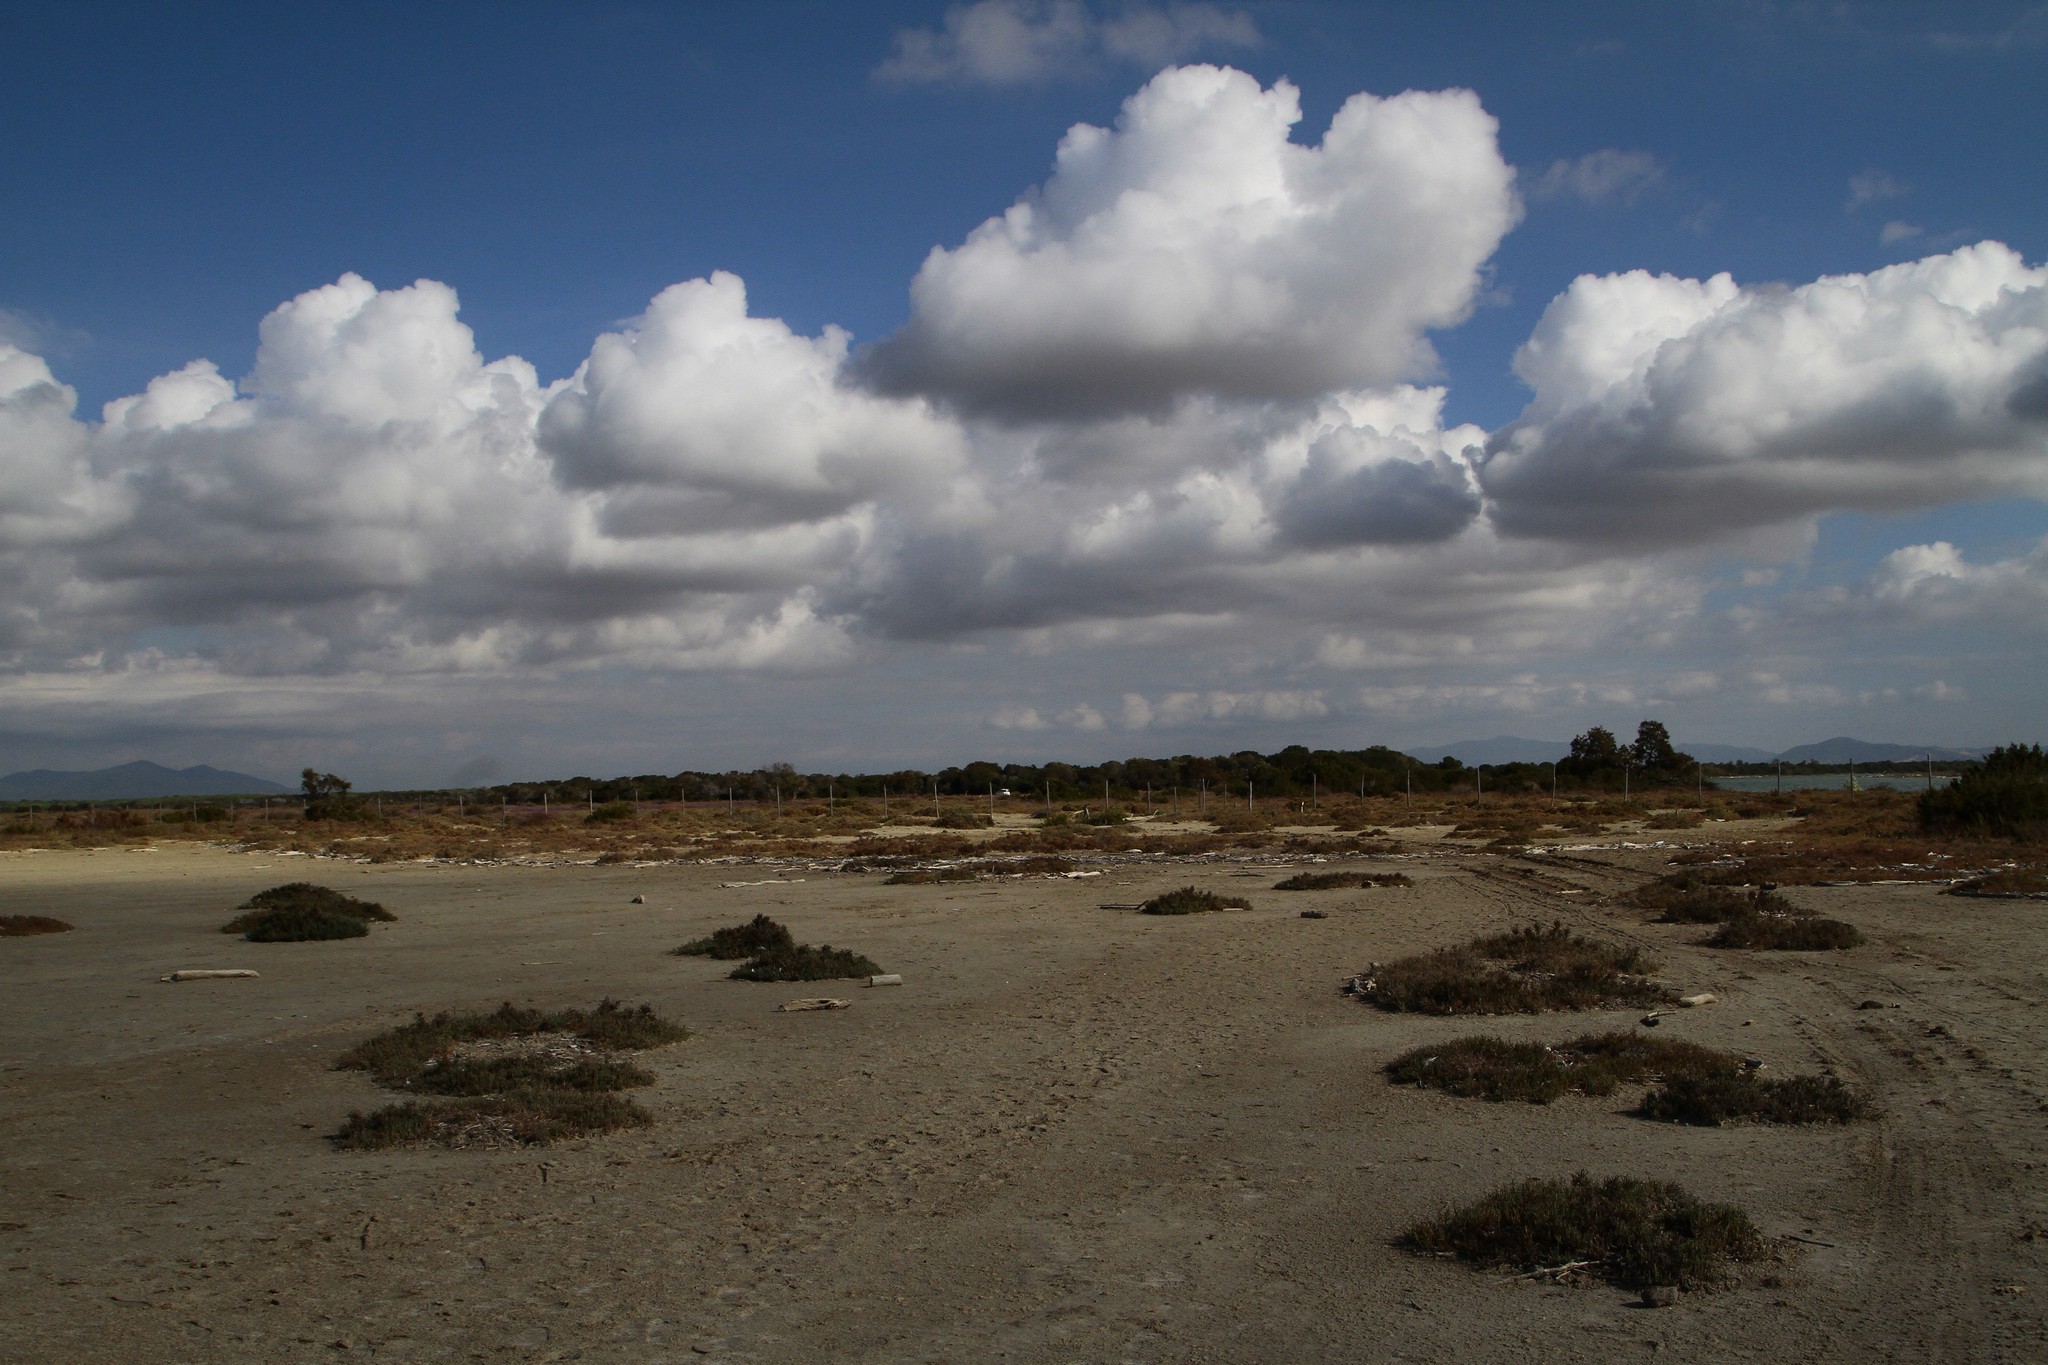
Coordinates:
column 610, row 813
column 2005, row 795
column 1637, row 1233
column 397, row 1057
column 298, row 912
column 1711, row 1100
column 805, row 963
column 500, row 1075
column 758, row 935
column 1794, row 933
column 1191, row 900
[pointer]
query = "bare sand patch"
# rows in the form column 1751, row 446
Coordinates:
column 1072, row 1134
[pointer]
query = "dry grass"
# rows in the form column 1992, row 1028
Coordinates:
column 399, row 1056
column 521, row 1119
column 922, row 876
column 1528, row 971
column 1637, row 1233
column 22, row 926
column 1189, row 900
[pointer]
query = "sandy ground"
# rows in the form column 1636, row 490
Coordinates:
column 1074, row 1134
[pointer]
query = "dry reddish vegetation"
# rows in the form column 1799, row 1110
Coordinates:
column 1528, row 971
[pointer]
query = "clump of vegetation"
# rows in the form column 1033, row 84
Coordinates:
column 1495, row 1069
column 1794, row 933
column 1108, row 815
column 758, row 935
column 610, row 813
column 541, row 1092
column 1191, row 900
column 1524, row 972
column 1708, row 1101
column 2018, row 883
column 962, row 819
column 802, row 962
column 2005, row 795
column 921, row 876
column 1636, row 1233
column 1335, row 881
column 522, row 1118
column 300, row 912
column 21, row 926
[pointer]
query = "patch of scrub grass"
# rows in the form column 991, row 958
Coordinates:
column 920, row 876
column 1496, row 1069
column 522, row 1118
column 1527, row 971
column 2018, row 883
column 758, row 935
column 1792, row 933
column 399, row 1056
column 21, row 926
column 1191, row 900
column 1636, row 1233
column 1708, row 1101
column 539, row 1089
column 300, row 912
column 802, row 962
column 1339, row 881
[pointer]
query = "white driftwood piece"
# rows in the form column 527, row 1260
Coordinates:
column 886, row 979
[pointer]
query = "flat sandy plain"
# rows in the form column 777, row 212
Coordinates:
column 1073, row 1134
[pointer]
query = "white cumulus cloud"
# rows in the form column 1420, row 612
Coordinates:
column 1193, row 248
column 1683, row 410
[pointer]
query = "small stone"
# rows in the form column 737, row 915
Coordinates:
column 639, row 900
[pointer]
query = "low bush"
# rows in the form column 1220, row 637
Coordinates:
column 1793, row 933
column 805, row 963
column 1495, row 1069
column 2005, row 795
column 962, row 819
column 398, row 1056
column 920, row 876
column 21, row 926
column 1637, row 1233
column 758, row 935
column 1108, row 815
column 1524, row 972
column 1191, row 900
column 2014, row 882
column 522, row 1118
column 299, row 912
column 610, row 813
column 1709, row 1101
column 544, row 1092
column 1334, row 881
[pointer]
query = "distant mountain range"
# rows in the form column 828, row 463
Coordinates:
column 132, row 782
column 1514, row 749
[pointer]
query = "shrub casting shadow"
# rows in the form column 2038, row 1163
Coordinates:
column 300, row 912
column 1191, row 901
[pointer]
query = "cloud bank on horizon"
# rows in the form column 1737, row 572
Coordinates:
column 1177, row 397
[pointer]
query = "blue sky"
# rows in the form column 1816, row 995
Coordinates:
column 177, row 174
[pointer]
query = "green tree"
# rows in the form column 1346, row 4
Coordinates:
column 326, row 795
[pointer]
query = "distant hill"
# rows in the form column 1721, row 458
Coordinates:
column 133, row 781
column 1727, row 753
column 1842, row 749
